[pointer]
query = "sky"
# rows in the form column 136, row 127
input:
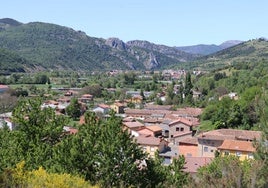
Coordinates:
column 169, row 22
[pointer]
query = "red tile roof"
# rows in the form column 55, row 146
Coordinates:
column 148, row 140
column 231, row 134
column 157, row 107
column 191, row 141
column 103, row 106
column 3, row 86
column 154, row 128
column 237, row 145
column 194, row 112
column 179, row 134
column 185, row 121
column 134, row 124
column 193, row 163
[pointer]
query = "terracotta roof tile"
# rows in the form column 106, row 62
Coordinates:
column 237, row 145
column 103, row 106
column 182, row 134
column 193, row 163
column 148, row 140
column 192, row 141
column 3, row 86
column 185, row 121
column 230, row 134
column 154, row 128
column 134, row 124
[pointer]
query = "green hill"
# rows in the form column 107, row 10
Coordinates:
column 11, row 62
column 51, row 46
column 251, row 51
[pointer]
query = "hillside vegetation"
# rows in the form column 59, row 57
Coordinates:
column 11, row 62
column 52, row 46
column 251, row 51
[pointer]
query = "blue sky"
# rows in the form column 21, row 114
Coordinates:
column 170, row 22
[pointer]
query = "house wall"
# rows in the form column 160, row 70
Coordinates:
column 117, row 109
column 207, row 148
column 149, row 149
column 177, row 139
column 243, row 155
column 177, row 128
column 9, row 124
column 188, row 150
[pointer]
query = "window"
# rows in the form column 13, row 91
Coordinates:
column 226, row 153
column 205, row 149
column 177, row 129
column 182, row 129
column 250, row 156
column 144, row 148
column 238, row 153
column 212, row 151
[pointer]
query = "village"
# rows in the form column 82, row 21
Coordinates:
column 159, row 129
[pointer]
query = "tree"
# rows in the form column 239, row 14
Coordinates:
column 42, row 79
column 188, row 84
column 101, row 152
column 95, row 90
column 142, row 94
column 175, row 176
column 229, row 171
column 74, row 109
column 39, row 130
column 7, row 102
column 261, row 145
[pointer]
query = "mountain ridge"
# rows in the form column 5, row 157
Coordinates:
column 206, row 49
column 38, row 46
column 58, row 47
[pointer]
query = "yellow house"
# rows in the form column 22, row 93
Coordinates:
column 242, row 149
column 136, row 99
column 118, row 107
column 151, row 144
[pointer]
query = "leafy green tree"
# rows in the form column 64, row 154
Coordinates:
column 175, row 176
column 94, row 89
column 102, row 152
column 261, row 145
column 230, row 172
column 74, row 109
column 7, row 102
column 42, row 79
column 38, row 131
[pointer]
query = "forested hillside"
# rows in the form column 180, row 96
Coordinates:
column 247, row 52
column 56, row 47
column 10, row 62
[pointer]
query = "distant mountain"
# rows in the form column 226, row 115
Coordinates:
column 252, row 51
column 8, row 22
column 204, row 49
column 48, row 47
